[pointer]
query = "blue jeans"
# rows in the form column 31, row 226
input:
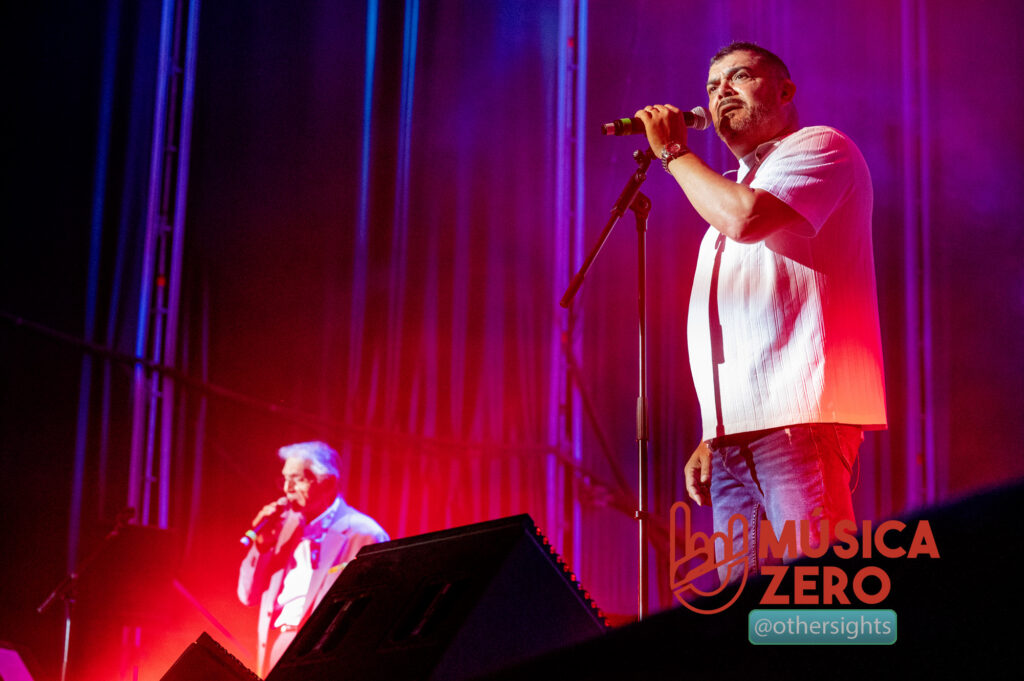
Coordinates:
column 782, row 474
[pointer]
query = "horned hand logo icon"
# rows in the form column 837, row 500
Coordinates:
column 698, row 558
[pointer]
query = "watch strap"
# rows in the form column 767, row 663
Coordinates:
column 672, row 151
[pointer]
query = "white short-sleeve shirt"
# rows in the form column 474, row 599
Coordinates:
column 798, row 313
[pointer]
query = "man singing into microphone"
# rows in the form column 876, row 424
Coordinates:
column 309, row 536
column 783, row 332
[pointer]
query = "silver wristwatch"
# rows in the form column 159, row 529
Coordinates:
column 672, row 150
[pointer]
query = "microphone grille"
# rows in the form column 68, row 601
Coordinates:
column 702, row 118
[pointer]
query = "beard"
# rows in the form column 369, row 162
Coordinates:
column 751, row 120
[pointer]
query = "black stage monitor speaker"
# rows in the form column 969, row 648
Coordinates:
column 955, row 616
column 446, row 605
column 207, row 660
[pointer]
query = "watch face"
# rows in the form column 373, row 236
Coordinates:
column 672, row 148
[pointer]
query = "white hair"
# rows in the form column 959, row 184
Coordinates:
column 323, row 460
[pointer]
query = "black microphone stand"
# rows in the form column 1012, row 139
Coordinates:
column 632, row 199
column 65, row 590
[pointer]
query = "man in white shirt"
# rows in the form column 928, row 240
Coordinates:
column 782, row 330
column 309, row 537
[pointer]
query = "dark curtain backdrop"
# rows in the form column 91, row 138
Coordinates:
column 399, row 298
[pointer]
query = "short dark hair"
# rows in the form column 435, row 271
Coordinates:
column 741, row 46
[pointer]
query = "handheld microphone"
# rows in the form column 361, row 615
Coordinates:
column 249, row 537
column 698, row 118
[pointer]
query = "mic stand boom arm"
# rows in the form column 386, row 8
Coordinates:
column 632, row 199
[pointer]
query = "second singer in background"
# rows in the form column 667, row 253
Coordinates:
column 309, row 535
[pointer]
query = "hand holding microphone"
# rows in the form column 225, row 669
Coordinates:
column 268, row 516
column 665, row 126
column 697, row 118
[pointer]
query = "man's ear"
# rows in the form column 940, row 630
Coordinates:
column 787, row 90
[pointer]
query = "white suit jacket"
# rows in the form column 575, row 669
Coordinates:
column 261, row 576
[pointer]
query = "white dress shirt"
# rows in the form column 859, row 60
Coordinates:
column 799, row 339
column 292, row 599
